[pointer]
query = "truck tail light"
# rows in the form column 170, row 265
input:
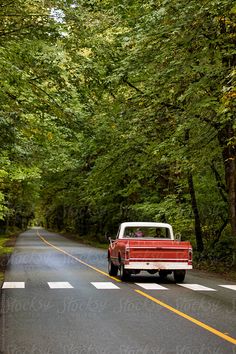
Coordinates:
column 190, row 255
column 127, row 253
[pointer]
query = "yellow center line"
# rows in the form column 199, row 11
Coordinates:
column 189, row 318
column 163, row 304
column 77, row 259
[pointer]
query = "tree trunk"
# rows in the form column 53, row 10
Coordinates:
column 197, row 222
column 60, row 217
column 198, row 230
column 231, row 184
column 226, row 138
column 227, row 135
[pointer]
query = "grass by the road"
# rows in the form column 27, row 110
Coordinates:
column 7, row 243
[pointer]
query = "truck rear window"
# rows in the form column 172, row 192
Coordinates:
column 147, row 232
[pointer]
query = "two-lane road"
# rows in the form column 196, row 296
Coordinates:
column 58, row 298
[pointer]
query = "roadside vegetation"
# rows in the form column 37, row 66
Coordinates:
column 7, row 243
column 117, row 110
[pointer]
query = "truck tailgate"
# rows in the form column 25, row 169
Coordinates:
column 158, row 250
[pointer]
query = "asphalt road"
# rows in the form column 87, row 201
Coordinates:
column 52, row 302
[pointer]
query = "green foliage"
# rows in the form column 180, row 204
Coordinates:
column 3, row 248
column 109, row 109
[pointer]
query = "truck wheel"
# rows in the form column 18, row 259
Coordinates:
column 112, row 269
column 163, row 274
column 124, row 275
column 179, row 275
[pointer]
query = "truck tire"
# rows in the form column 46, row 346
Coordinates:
column 163, row 274
column 124, row 274
column 112, row 269
column 179, row 275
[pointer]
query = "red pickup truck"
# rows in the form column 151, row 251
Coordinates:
column 151, row 247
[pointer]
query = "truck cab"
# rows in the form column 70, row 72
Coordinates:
column 151, row 247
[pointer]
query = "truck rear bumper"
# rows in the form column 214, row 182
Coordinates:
column 158, row 265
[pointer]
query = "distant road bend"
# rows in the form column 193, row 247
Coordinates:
column 57, row 297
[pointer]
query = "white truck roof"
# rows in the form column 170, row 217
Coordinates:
column 144, row 224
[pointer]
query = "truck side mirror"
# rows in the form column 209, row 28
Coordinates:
column 108, row 236
column 178, row 236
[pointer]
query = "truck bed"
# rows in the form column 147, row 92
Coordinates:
column 157, row 254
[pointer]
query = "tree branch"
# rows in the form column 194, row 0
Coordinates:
column 131, row 85
column 9, row 3
column 24, row 16
column 220, row 184
column 46, row 93
column 2, row 34
column 219, row 232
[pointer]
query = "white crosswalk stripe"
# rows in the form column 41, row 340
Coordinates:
column 13, row 285
column 60, row 285
column 111, row 286
column 196, row 287
column 151, row 286
column 104, row 285
column 231, row 287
